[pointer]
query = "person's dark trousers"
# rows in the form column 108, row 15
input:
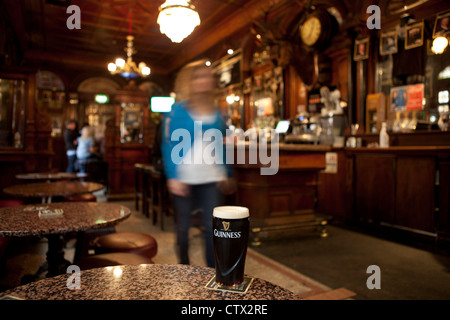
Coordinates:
column 71, row 163
column 205, row 197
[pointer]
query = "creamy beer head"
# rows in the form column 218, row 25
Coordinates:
column 231, row 212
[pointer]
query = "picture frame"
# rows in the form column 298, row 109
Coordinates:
column 442, row 24
column 361, row 49
column 229, row 70
column 414, row 35
column 388, row 42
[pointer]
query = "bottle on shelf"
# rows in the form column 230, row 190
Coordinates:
column 384, row 137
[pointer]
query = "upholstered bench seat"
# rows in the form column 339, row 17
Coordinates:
column 129, row 242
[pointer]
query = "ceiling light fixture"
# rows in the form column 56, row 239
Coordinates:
column 177, row 19
column 128, row 68
column 439, row 45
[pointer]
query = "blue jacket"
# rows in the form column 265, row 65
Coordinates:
column 179, row 118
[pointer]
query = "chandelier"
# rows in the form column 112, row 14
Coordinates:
column 128, row 68
column 177, row 19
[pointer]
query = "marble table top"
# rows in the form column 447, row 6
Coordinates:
column 24, row 220
column 144, row 282
column 51, row 176
column 52, row 189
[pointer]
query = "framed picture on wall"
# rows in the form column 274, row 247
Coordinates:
column 229, row 70
column 414, row 35
column 361, row 50
column 388, row 42
column 442, row 24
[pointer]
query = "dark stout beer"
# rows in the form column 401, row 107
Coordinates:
column 230, row 236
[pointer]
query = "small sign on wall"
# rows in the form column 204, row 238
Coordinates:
column 331, row 159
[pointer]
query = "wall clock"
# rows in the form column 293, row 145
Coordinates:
column 318, row 29
column 310, row 31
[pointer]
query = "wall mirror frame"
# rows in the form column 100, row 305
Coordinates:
column 131, row 123
column 12, row 112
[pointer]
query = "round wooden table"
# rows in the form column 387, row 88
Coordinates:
column 47, row 190
column 144, row 282
column 22, row 221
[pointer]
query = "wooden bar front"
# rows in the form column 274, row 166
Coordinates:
column 288, row 197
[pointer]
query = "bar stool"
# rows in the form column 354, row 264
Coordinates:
column 86, row 197
column 160, row 197
column 139, row 177
column 112, row 259
column 128, row 242
column 147, row 189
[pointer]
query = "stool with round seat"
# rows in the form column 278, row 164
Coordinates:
column 127, row 242
column 87, row 197
column 112, row 259
column 10, row 203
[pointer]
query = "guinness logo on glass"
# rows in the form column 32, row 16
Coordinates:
column 226, row 225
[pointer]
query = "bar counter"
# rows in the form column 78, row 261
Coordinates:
column 404, row 187
column 289, row 196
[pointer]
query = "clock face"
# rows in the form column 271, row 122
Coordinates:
column 310, row 31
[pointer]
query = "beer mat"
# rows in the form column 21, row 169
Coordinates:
column 8, row 297
column 240, row 288
column 48, row 213
column 34, row 208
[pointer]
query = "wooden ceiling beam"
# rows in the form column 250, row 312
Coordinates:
column 251, row 11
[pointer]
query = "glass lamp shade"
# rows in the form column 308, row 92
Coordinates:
column 177, row 19
column 120, row 62
column 112, row 67
column 439, row 45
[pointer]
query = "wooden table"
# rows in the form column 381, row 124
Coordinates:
column 77, row 217
column 145, row 282
column 47, row 190
column 51, row 176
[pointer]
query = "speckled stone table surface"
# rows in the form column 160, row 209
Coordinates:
column 77, row 216
column 144, row 282
column 51, row 176
column 53, row 189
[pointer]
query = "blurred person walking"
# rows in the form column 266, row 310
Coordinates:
column 195, row 184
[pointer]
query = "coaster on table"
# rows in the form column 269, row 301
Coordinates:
column 239, row 288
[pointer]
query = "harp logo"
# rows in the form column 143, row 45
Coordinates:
column 226, row 225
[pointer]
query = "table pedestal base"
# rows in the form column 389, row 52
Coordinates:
column 55, row 263
column 55, row 256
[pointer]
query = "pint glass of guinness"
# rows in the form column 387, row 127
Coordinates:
column 230, row 236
